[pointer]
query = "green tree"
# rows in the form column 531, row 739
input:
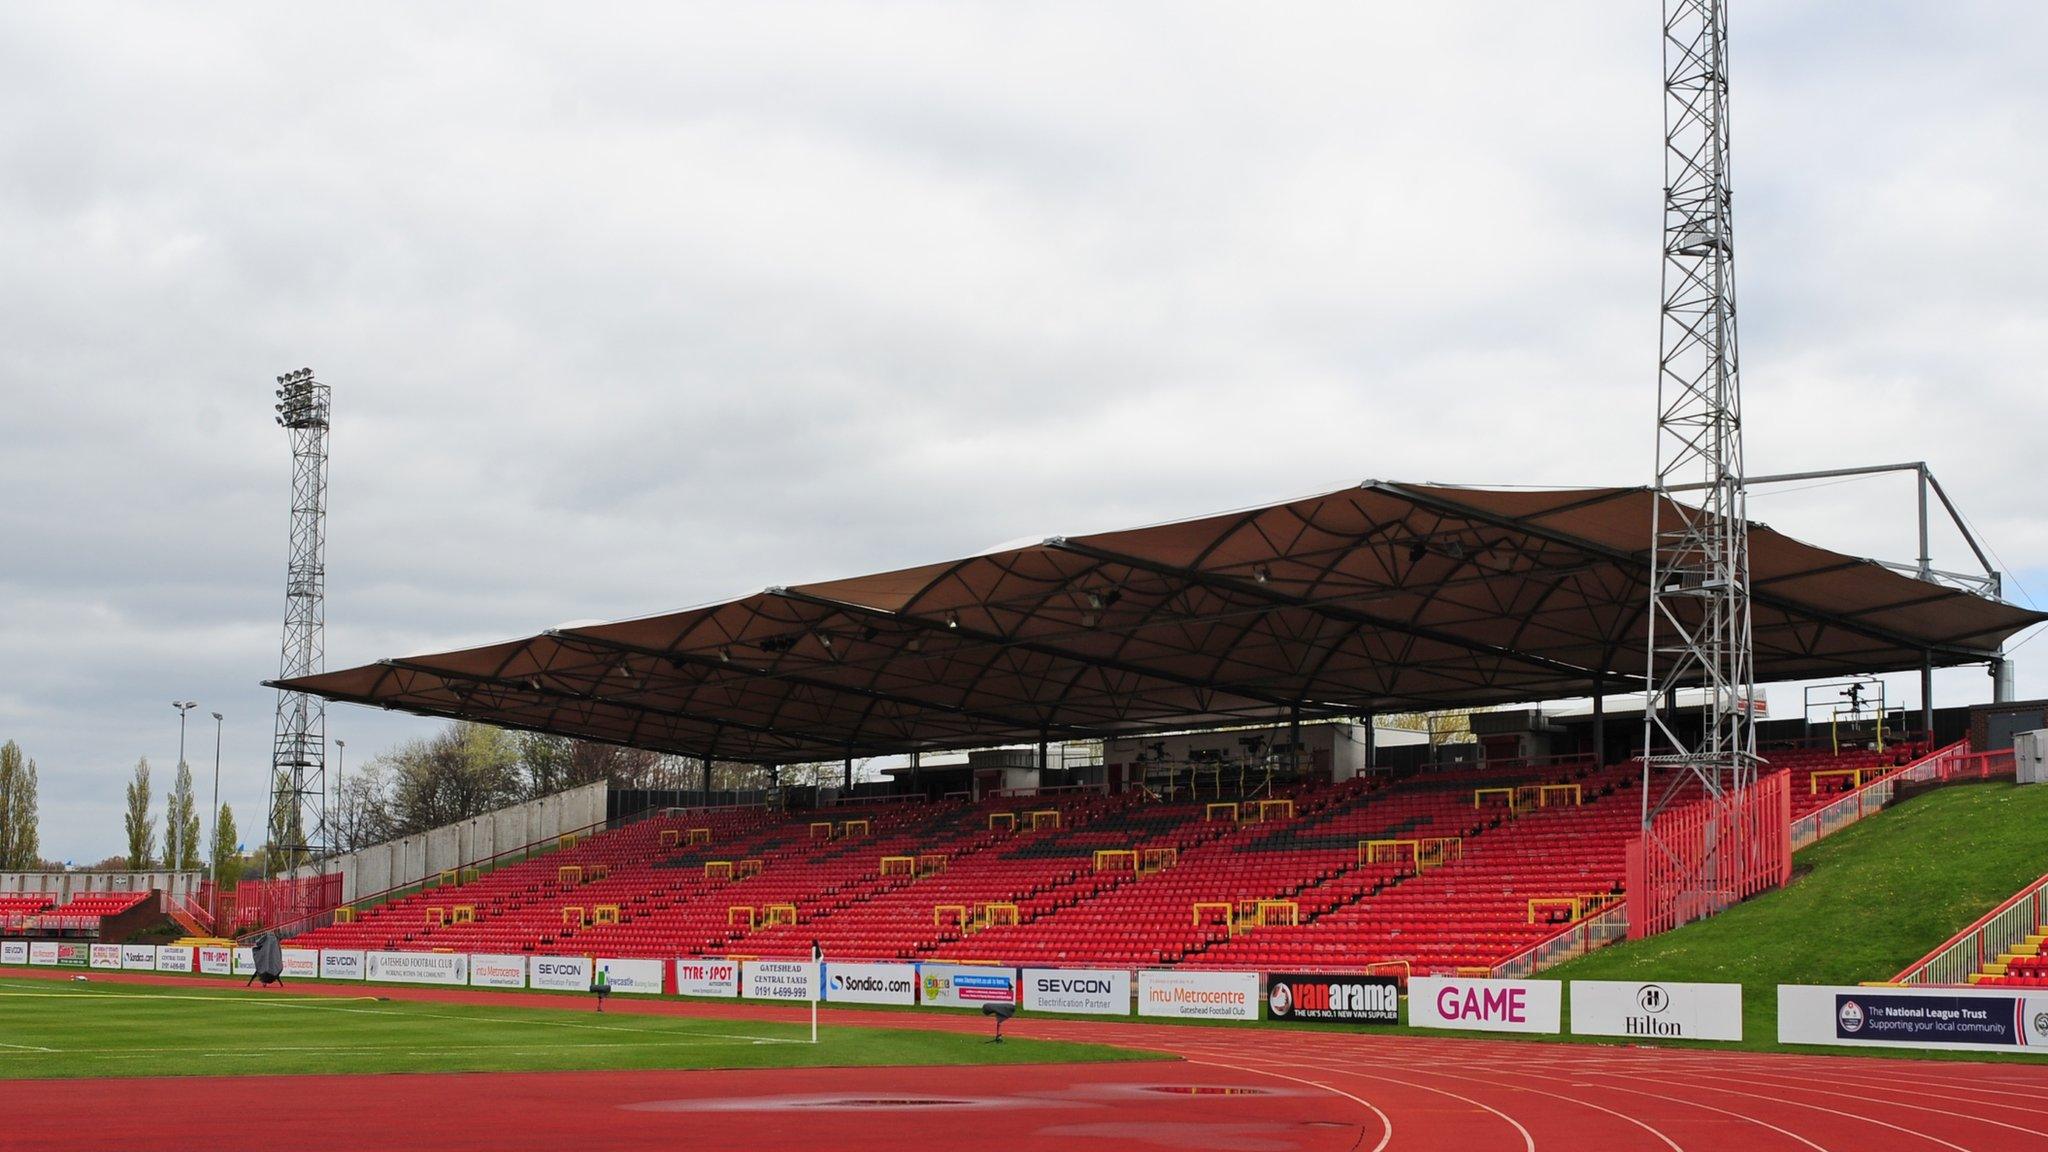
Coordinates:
column 545, row 760
column 25, row 852
column 466, row 770
column 12, row 769
column 140, row 826
column 227, row 861
column 181, row 823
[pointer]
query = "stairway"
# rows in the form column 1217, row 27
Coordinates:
column 191, row 921
column 2029, row 948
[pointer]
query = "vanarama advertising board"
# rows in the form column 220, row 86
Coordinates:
column 1663, row 1009
column 965, row 985
column 1485, row 1005
column 707, row 977
column 1095, row 991
column 1352, row 999
column 1199, row 995
column 870, row 983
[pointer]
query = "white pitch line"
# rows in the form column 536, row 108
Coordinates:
column 338, row 1004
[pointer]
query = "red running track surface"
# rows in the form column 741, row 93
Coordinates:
column 1238, row 1090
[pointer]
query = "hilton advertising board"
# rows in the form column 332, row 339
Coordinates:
column 1657, row 1010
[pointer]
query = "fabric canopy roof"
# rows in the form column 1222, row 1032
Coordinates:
column 1375, row 598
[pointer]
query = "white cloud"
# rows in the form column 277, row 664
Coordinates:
column 629, row 313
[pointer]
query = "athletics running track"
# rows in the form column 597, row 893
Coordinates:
column 1236, row 1090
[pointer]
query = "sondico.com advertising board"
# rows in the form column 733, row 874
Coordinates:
column 871, row 983
column 1351, row 999
column 1092, row 991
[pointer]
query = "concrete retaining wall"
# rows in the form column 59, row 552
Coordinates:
column 412, row 859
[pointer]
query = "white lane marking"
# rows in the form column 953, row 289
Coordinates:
column 339, row 1004
column 1528, row 1141
column 1834, row 1091
column 1386, row 1123
column 1652, row 1130
column 1814, row 1107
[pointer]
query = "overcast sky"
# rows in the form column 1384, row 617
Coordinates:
column 626, row 310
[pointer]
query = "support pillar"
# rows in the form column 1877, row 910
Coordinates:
column 1294, row 740
column 1599, row 722
column 1926, row 698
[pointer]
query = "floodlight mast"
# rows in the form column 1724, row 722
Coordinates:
column 298, row 762
column 1699, row 612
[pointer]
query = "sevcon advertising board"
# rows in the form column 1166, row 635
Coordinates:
column 1090, row 991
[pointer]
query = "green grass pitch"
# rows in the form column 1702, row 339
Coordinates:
column 71, row 1029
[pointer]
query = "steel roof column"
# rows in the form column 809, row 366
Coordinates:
column 1599, row 722
column 1294, row 741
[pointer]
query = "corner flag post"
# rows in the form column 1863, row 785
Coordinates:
column 817, row 980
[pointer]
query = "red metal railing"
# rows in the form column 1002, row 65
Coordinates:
column 1593, row 930
column 1686, row 869
column 1994, row 933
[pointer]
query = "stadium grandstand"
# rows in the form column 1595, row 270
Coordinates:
column 1278, row 631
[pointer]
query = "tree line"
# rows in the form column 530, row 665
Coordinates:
column 469, row 769
column 20, row 850
column 182, row 835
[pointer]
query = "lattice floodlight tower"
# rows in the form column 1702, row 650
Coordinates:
column 1699, row 617
column 298, row 758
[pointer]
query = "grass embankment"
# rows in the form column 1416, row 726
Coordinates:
column 54, row 1030
column 1863, row 904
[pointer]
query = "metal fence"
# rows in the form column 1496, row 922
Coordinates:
column 1992, row 935
column 1710, row 854
column 1955, row 762
column 1581, row 936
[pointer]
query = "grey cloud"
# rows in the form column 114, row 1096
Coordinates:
column 629, row 313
